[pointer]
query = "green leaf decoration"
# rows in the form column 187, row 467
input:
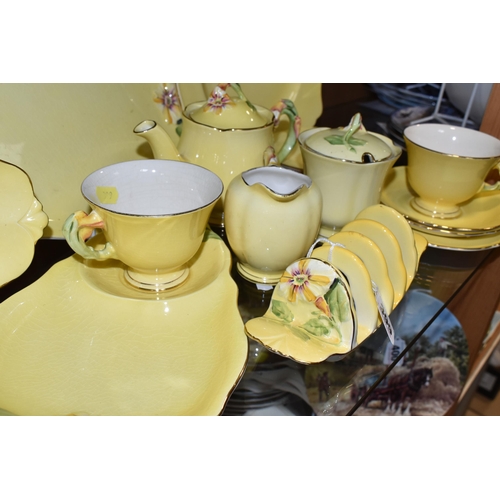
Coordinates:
column 338, row 302
column 336, row 140
column 339, row 140
column 317, row 327
column 281, row 310
column 299, row 333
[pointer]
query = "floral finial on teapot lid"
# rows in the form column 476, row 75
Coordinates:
column 351, row 143
column 225, row 112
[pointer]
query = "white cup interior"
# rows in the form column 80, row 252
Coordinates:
column 279, row 180
column 153, row 187
column 452, row 140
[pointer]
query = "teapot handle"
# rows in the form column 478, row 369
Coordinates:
column 287, row 107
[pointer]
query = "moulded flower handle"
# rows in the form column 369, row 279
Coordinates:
column 287, row 107
column 79, row 227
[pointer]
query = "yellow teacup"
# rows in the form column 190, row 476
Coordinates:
column 153, row 214
column 447, row 166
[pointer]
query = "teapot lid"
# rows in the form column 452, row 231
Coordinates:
column 223, row 111
column 351, row 143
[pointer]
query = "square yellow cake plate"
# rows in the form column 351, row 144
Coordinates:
column 81, row 341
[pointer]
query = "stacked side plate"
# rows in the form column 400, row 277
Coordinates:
column 388, row 250
column 378, row 253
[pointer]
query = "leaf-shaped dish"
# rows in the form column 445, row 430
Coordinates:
column 22, row 221
column 71, row 346
column 311, row 315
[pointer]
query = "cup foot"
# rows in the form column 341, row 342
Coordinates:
column 156, row 282
column 255, row 276
column 432, row 210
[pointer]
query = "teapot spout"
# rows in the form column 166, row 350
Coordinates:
column 160, row 142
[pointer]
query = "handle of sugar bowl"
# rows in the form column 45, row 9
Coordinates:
column 496, row 185
column 287, row 107
column 79, row 227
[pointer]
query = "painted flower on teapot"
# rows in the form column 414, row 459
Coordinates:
column 223, row 111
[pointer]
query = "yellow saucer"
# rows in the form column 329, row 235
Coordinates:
column 479, row 215
column 80, row 341
column 22, row 221
column 468, row 244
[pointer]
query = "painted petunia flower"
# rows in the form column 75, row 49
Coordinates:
column 307, row 278
column 218, row 101
column 169, row 100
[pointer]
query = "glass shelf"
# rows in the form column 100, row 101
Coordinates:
column 346, row 386
column 282, row 385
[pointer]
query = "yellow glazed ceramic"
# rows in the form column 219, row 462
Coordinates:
column 82, row 341
column 388, row 244
column 273, row 216
column 60, row 133
column 373, row 259
column 352, row 143
column 421, row 244
column 479, row 216
column 231, row 148
column 353, row 268
column 398, row 225
column 306, row 97
column 153, row 214
column 350, row 169
column 447, row 166
column 223, row 111
column 22, row 221
column 311, row 315
column 468, row 244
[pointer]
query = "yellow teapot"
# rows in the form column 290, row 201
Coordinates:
column 226, row 134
